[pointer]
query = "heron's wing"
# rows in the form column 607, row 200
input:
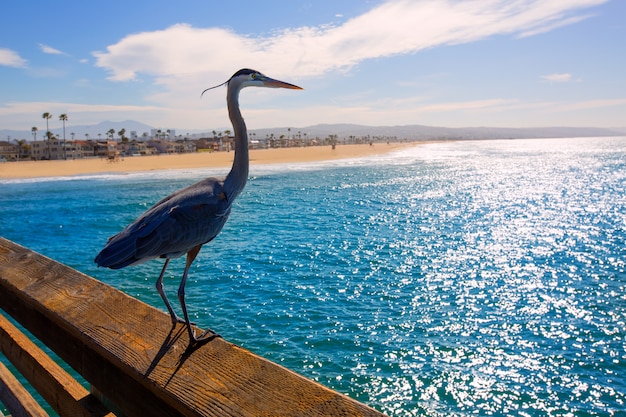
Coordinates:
column 182, row 226
column 181, row 221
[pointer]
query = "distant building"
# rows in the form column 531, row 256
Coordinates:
column 73, row 150
column 137, row 148
column 46, row 149
column 163, row 146
column 86, row 148
column 108, row 148
column 105, row 148
column 59, row 149
column 9, row 151
column 163, row 134
column 169, row 147
column 185, row 146
column 206, row 144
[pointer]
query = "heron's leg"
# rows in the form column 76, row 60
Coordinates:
column 208, row 334
column 161, row 291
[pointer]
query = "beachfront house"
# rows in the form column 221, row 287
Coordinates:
column 9, row 151
column 163, row 146
column 73, row 150
column 47, row 149
column 136, row 148
column 86, row 148
column 105, row 148
column 206, row 144
column 185, row 146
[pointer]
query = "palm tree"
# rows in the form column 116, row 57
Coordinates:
column 121, row 135
column 47, row 116
column 34, row 130
column 111, row 132
column 63, row 118
column 21, row 143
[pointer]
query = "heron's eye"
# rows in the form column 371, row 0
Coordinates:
column 253, row 76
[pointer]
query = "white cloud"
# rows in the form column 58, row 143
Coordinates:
column 181, row 52
column 551, row 26
column 558, row 77
column 11, row 58
column 50, row 50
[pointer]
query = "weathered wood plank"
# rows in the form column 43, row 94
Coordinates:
column 62, row 392
column 16, row 398
column 133, row 355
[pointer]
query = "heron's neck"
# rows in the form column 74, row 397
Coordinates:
column 238, row 175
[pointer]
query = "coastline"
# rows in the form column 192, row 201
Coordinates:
column 62, row 168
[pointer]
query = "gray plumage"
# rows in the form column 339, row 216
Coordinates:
column 187, row 218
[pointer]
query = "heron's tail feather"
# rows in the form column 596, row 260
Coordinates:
column 119, row 252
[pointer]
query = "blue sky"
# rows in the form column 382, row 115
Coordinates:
column 522, row 63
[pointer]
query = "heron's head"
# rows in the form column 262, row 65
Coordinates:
column 252, row 78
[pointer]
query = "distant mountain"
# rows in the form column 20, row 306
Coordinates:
column 409, row 132
column 420, row 132
column 103, row 127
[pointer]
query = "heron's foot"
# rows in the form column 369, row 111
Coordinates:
column 205, row 337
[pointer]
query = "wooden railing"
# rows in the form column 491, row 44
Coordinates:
column 135, row 361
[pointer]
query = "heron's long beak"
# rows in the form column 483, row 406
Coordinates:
column 272, row 83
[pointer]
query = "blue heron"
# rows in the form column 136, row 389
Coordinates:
column 182, row 222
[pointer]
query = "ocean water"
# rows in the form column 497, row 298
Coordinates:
column 467, row 278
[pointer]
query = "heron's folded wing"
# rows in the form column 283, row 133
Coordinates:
column 192, row 222
column 171, row 227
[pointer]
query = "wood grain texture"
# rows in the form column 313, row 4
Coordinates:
column 133, row 355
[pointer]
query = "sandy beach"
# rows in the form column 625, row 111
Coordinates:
column 33, row 169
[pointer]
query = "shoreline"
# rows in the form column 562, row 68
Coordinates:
column 68, row 168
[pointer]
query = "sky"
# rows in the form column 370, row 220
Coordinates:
column 450, row 63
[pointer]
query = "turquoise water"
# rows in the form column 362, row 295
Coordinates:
column 468, row 278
